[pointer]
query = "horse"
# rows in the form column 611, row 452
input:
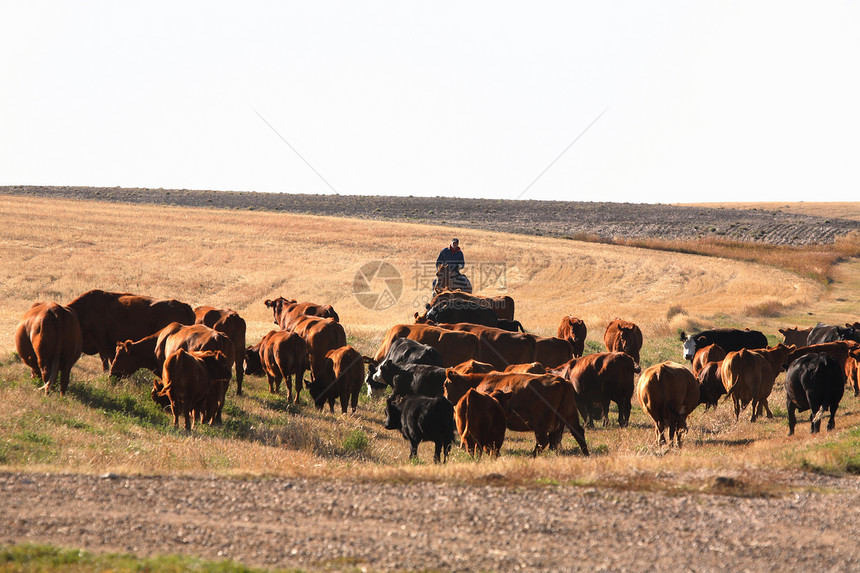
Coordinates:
column 448, row 277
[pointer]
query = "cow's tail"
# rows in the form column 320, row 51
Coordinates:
column 465, row 424
column 819, row 414
column 519, row 325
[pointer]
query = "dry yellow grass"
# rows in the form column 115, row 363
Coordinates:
column 55, row 250
column 836, row 209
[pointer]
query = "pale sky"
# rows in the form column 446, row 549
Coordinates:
column 700, row 101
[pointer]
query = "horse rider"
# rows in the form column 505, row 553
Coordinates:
column 451, row 255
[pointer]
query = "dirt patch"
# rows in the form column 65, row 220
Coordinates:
column 606, row 221
column 315, row 524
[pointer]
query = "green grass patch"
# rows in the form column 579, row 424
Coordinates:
column 28, row 558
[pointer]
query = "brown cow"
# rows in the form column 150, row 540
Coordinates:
column 598, row 379
column 286, row 312
column 852, row 371
column 196, row 383
column 48, row 340
column 530, row 368
column 574, row 331
column 503, row 305
column 499, row 347
column 711, row 384
column 749, row 375
column 342, row 377
column 668, row 392
column 150, row 352
column 455, row 347
column 279, row 355
column 623, row 336
column 710, row 353
column 552, row 351
column 839, row 350
column 539, row 403
column 107, row 318
column 321, row 335
column 794, row 335
column 230, row 323
column 481, row 423
column 473, row 367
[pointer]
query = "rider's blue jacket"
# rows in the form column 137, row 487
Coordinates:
column 447, row 255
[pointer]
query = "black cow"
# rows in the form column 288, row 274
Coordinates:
column 729, row 339
column 814, row 382
column 402, row 351
column 512, row 325
column 830, row 333
column 455, row 311
column 422, row 419
column 421, row 379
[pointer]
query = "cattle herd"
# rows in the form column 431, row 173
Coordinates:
column 464, row 370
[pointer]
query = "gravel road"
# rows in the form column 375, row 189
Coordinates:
column 316, row 524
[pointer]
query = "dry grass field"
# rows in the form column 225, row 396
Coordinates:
column 57, row 249
column 835, row 209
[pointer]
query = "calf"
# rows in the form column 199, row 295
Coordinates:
column 196, row 383
column 481, row 423
column 342, row 377
column 422, row 419
column 711, row 384
column 598, row 379
column 668, row 393
column 814, row 382
column 230, row 323
column 48, row 340
column 280, row 355
column 541, row 403
column 623, row 336
column 419, row 379
column 749, row 375
column 574, row 331
column 795, row 336
column 710, row 353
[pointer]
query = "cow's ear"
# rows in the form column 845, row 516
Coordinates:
column 683, row 336
column 369, row 360
column 269, row 303
column 449, row 372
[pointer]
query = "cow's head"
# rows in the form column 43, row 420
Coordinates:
column 691, row 344
column 157, row 396
column 456, row 385
column 323, row 385
column 277, row 307
column 420, row 318
column 393, row 413
column 253, row 362
column 125, row 363
column 374, row 389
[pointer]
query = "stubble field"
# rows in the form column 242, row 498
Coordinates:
column 57, row 249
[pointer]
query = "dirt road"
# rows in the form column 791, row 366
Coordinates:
column 313, row 525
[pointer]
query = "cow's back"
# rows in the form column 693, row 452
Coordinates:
column 109, row 317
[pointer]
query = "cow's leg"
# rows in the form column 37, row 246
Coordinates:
column 271, row 380
column 756, row 410
column 175, row 408
column 792, row 417
column 737, row 404
column 344, row 400
column 831, row 423
column 240, row 372
column 413, row 452
column 767, row 409
column 437, row 453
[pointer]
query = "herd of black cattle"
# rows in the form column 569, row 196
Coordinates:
column 464, row 369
